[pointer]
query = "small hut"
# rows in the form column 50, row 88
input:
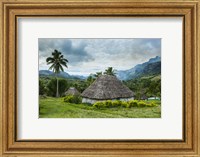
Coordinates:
column 106, row 87
column 72, row 91
column 144, row 97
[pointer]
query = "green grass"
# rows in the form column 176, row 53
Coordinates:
column 57, row 108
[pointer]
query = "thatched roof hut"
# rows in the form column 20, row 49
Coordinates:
column 144, row 97
column 72, row 91
column 106, row 87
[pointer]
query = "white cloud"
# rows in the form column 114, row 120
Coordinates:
column 91, row 55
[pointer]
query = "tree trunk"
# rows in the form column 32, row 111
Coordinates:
column 57, row 94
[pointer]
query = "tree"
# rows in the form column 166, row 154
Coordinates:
column 110, row 71
column 90, row 80
column 97, row 74
column 154, row 88
column 42, row 89
column 57, row 61
column 52, row 86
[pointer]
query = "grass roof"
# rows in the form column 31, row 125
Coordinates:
column 107, row 87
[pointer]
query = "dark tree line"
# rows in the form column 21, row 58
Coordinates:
column 144, row 87
column 141, row 87
column 48, row 86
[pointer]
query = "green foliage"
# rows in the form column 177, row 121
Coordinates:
column 49, row 84
column 52, row 84
column 80, row 85
column 56, row 62
column 98, row 104
column 116, row 103
column 42, row 89
column 107, row 103
column 151, row 104
column 73, row 99
column 145, row 86
column 90, row 80
column 141, row 104
column 51, row 107
column 98, row 74
column 110, row 71
column 124, row 104
column 133, row 103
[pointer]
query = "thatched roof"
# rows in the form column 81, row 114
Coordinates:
column 107, row 87
column 144, row 97
column 72, row 91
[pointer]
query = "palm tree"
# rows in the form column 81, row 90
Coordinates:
column 110, row 71
column 97, row 74
column 57, row 61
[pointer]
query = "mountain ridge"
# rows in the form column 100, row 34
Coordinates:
column 151, row 67
column 141, row 69
column 61, row 74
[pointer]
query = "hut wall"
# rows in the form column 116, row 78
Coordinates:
column 87, row 100
column 92, row 101
column 127, row 99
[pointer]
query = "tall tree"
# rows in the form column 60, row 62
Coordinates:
column 57, row 61
column 110, row 71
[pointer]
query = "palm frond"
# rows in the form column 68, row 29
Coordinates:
column 64, row 64
column 50, row 59
column 61, row 67
column 65, row 60
column 51, row 67
column 57, row 61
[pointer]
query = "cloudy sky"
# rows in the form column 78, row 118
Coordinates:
column 88, row 56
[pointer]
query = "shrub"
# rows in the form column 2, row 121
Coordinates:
column 141, row 104
column 133, row 103
column 98, row 104
column 107, row 103
column 72, row 99
column 116, row 103
column 124, row 104
column 153, row 104
column 128, row 105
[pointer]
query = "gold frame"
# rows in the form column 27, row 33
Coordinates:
column 12, row 9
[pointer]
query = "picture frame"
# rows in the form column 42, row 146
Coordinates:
column 11, row 10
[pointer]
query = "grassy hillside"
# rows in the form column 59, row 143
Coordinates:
column 56, row 108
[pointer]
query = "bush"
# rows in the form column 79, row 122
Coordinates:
column 141, row 104
column 133, row 103
column 153, row 104
column 99, row 104
column 124, row 104
column 107, row 103
column 73, row 99
column 128, row 104
column 116, row 103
